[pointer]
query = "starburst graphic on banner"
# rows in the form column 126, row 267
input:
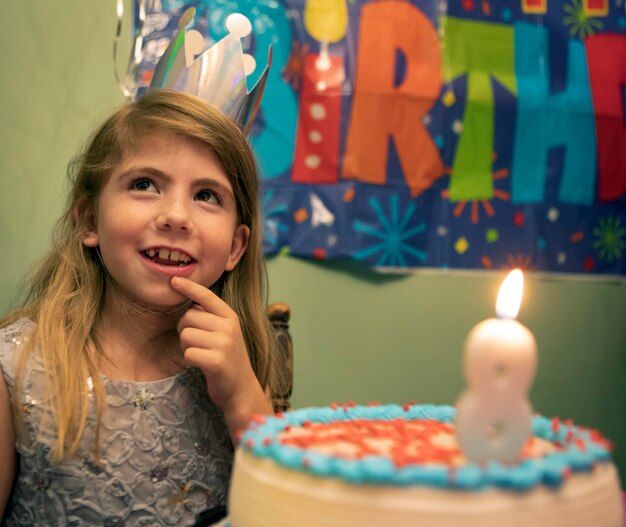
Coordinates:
column 272, row 226
column 394, row 232
column 520, row 261
column 292, row 72
column 474, row 205
column 609, row 243
column 580, row 23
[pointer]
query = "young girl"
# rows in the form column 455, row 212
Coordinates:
column 142, row 347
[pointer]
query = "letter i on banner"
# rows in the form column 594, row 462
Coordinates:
column 316, row 157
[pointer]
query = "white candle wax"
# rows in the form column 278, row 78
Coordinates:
column 493, row 415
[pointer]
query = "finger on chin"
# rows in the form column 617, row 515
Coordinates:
column 199, row 294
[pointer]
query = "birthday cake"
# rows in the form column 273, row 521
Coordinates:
column 390, row 465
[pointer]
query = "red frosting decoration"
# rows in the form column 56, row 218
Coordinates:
column 405, row 442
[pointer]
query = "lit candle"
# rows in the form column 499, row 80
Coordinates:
column 494, row 415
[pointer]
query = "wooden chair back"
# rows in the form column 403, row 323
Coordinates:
column 279, row 315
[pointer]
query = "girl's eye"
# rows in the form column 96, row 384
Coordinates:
column 208, row 196
column 142, row 184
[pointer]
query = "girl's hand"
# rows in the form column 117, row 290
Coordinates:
column 211, row 339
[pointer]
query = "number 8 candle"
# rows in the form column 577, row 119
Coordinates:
column 494, row 415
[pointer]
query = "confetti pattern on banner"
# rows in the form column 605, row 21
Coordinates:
column 478, row 134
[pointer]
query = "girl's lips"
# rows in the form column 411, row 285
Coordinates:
column 170, row 270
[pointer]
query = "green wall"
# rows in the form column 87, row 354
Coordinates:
column 358, row 335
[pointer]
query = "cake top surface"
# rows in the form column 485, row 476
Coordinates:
column 416, row 445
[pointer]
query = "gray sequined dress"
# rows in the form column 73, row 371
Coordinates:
column 165, row 453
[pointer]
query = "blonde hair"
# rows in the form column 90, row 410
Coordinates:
column 67, row 289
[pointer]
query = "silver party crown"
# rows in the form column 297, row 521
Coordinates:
column 217, row 74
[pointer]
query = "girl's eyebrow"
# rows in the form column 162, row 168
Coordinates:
column 148, row 171
column 143, row 171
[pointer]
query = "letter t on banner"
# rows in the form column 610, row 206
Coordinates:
column 481, row 51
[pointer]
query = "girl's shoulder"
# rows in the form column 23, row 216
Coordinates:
column 22, row 327
column 12, row 340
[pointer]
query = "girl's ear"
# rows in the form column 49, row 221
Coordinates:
column 238, row 247
column 85, row 219
column 90, row 239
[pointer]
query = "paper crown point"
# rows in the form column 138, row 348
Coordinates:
column 238, row 25
column 218, row 74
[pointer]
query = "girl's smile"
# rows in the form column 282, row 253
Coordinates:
column 167, row 256
column 170, row 261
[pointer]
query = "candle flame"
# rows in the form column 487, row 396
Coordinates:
column 510, row 295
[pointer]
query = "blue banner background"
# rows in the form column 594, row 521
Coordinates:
column 532, row 200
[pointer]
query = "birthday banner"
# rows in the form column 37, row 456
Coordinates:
column 469, row 134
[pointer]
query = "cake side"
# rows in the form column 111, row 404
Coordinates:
column 265, row 494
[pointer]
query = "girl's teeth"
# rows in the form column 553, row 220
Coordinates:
column 165, row 254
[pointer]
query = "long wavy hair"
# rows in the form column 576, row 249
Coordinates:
column 68, row 288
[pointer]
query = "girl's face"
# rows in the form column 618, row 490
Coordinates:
column 167, row 210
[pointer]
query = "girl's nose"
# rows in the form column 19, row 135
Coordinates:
column 175, row 217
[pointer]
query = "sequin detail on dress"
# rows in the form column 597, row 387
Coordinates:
column 143, row 399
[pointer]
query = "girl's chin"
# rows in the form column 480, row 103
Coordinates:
column 167, row 303
column 166, row 307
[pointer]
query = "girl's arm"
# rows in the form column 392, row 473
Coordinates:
column 7, row 446
column 211, row 338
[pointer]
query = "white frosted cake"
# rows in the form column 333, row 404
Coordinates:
column 397, row 466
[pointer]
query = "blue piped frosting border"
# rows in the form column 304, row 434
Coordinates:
column 580, row 452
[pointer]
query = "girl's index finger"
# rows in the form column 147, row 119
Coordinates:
column 201, row 295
